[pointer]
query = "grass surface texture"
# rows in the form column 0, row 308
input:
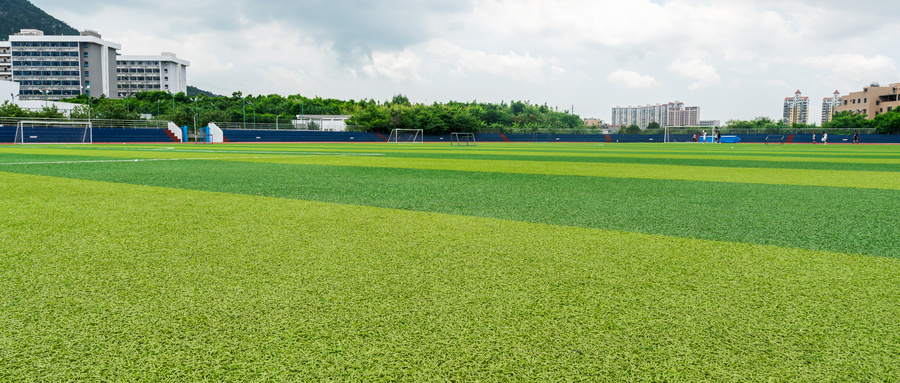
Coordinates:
column 501, row 262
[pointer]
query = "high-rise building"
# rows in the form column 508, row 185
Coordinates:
column 796, row 109
column 5, row 62
column 872, row 101
column 165, row 72
column 669, row 114
column 58, row 67
column 829, row 105
column 680, row 115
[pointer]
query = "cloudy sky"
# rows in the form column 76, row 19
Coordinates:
column 734, row 59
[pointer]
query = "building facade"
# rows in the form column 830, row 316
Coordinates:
column 165, row 72
column 680, row 115
column 58, row 67
column 796, row 109
column 593, row 122
column 669, row 114
column 5, row 61
column 710, row 124
column 829, row 105
column 872, row 101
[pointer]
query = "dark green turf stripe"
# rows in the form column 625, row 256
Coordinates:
column 808, row 217
column 727, row 163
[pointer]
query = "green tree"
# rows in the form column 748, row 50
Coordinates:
column 848, row 121
column 887, row 123
column 12, row 110
column 630, row 129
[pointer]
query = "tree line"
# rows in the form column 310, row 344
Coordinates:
column 365, row 115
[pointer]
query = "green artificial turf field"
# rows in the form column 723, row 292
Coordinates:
column 549, row 262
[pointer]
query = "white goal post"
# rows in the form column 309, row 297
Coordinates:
column 54, row 132
column 459, row 139
column 401, row 136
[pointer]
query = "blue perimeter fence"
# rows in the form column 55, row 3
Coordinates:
column 117, row 135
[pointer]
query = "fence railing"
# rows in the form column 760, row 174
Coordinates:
column 96, row 123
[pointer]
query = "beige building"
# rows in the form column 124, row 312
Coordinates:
column 872, row 101
column 680, row 115
column 593, row 122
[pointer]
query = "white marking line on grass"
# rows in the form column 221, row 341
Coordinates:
column 234, row 151
column 182, row 159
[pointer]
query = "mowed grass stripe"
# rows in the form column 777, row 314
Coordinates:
column 832, row 178
column 564, row 152
column 818, row 218
column 144, row 283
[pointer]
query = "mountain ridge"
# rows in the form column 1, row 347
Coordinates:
column 16, row 15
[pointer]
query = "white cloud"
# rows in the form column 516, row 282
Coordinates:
column 775, row 84
column 397, row 66
column 855, row 68
column 632, row 80
column 703, row 74
column 461, row 61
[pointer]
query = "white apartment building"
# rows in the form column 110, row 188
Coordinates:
column 829, row 105
column 796, row 109
column 165, row 72
column 58, row 67
column 5, row 61
column 669, row 114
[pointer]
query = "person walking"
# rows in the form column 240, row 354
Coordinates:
column 704, row 138
column 814, row 138
column 718, row 136
column 824, row 138
column 855, row 137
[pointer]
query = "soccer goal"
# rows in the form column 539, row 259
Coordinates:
column 402, row 136
column 54, row 132
column 459, row 139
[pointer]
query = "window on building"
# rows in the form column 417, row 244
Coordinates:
column 85, row 64
column 85, row 54
column 87, row 74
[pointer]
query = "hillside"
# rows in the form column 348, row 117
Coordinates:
column 21, row 14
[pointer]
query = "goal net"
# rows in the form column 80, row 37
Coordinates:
column 54, row 132
column 460, row 139
column 400, row 136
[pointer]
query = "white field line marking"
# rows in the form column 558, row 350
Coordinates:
column 170, row 149
column 173, row 159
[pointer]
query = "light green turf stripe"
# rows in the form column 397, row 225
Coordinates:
column 252, row 288
column 564, row 150
column 805, row 177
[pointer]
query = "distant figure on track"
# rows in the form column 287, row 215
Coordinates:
column 694, row 139
column 718, row 136
column 855, row 137
column 814, row 138
column 824, row 138
column 704, row 138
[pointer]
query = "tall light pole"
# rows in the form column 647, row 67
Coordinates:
column 44, row 91
column 244, row 111
column 157, row 107
column 90, row 101
column 196, row 115
column 254, row 112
